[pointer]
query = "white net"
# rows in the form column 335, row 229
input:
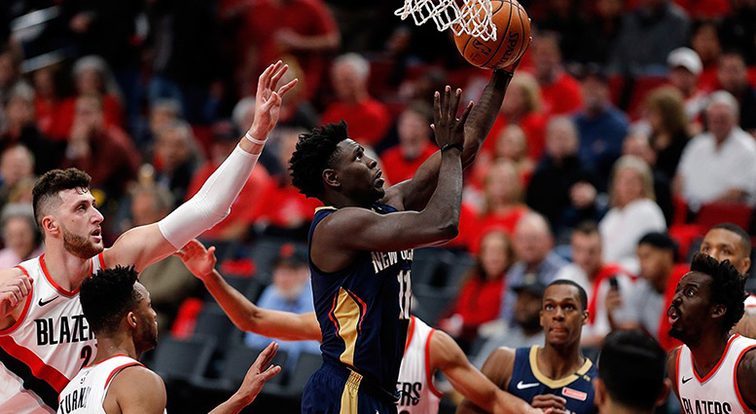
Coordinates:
column 473, row 17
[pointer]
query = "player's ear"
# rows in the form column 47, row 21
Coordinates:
column 666, row 388
column 50, row 225
column 718, row 311
column 331, row 178
column 747, row 263
column 600, row 388
column 586, row 316
column 131, row 319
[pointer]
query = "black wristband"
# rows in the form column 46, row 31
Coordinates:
column 447, row 146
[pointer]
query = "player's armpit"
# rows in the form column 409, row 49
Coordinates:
column 136, row 390
column 672, row 368
column 746, row 373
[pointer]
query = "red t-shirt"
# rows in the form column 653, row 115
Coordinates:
column 397, row 169
column 286, row 207
column 368, row 121
column 246, row 208
column 534, row 127
column 479, row 301
column 563, row 96
column 305, row 17
column 56, row 120
column 506, row 221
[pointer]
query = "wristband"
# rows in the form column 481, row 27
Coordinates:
column 255, row 140
column 448, row 146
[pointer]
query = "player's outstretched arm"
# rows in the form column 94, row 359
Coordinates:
column 447, row 356
column 259, row 373
column 144, row 245
column 746, row 374
column 243, row 313
column 414, row 194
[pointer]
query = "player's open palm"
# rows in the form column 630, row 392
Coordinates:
column 259, row 373
column 449, row 129
column 268, row 99
column 197, row 259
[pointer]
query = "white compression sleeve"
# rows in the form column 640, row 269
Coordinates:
column 212, row 203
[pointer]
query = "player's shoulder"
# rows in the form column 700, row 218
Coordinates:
column 137, row 377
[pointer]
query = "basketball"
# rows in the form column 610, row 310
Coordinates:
column 512, row 34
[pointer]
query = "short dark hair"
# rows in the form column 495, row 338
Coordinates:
column 727, row 286
column 581, row 292
column 632, row 366
column 107, row 296
column 745, row 239
column 51, row 183
column 315, row 152
column 588, row 228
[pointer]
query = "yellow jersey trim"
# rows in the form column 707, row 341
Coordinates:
column 555, row 383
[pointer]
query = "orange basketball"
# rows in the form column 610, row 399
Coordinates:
column 512, row 34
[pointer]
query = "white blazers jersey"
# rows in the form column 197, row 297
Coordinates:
column 750, row 301
column 87, row 390
column 49, row 343
column 717, row 392
column 415, row 382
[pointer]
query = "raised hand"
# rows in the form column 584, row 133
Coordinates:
column 197, row 259
column 449, row 129
column 268, row 100
column 13, row 291
column 258, row 374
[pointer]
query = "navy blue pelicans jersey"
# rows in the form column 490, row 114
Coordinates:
column 364, row 309
column 527, row 382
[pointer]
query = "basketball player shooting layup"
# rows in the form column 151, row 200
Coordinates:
column 713, row 372
column 361, row 247
column 120, row 313
column 44, row 338
column 426, row 349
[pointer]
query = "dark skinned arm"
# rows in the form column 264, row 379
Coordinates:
column 498, row 368
column 746, row 373
column 672, row 370
column 415, row 193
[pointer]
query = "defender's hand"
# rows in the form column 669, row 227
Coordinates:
column 268, row 100
column 199, row 261
column 258, row 374
column 14, row 291
column 448, row 128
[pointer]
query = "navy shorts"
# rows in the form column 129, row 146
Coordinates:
column 334, row 389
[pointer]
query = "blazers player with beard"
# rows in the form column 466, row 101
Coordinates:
column 44, row 337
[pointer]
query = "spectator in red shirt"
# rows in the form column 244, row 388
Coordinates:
column 246, row 207
column 101, row 149
column 368, row 119
column 511, row 144
column 561, row 92
column 502, row 198
column 401, row 161
column 705, row 41
column 303, row 29
column 480, row 298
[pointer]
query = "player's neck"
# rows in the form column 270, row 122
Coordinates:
column 339, row 200
column 558, row 363
column 707, row 352
column 67, row 270
column 108, row 347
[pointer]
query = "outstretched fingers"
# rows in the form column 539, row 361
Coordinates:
column 286, row 88
column 277, row 75
column 266, row 356
column 466, row 113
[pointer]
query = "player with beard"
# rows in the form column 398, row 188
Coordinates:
column 44, row 337
column 557, row 376
column 120, row 314
column 713, row 371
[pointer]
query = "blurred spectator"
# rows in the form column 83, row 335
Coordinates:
column 637, row 144
column 659, row 26
column 102, row 150
column 522, row 106
column 296, row 109
column 704, row 40
column 21, row 128
column 415, row 146
column 733, row 78
column 533, row 243
column 561, row 92
column 738, row 30
column 21, row 238
column 178, row 157
column 597, row 277
column 92, row 77
column 684, row 71
column 481, row 294
column 286, row 212
column 290, row 292
column 565, row 17
column 561, row 187
column 168, row 281
column 244, row 113
column 246, row 208
column 162, row 112
column 603, row 28
column 633, row 212
column 718, row 165
column 10, row 70
column 645, row 306
column 666, row 116
column 601, row 125
column 511, row 145
column 303, row 29
column 367, row 118
column 48, row 98
column 502, row 198
column 526, row 330
column 16, row 167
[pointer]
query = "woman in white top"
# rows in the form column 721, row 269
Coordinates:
column 633, row 212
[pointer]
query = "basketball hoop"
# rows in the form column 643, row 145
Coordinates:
column 473, row 18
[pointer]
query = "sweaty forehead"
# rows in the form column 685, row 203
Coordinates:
column 558, row 293
column 345, row 149
column 718, row 237
column 697, row 278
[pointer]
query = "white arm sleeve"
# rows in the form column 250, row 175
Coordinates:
column 212, row 203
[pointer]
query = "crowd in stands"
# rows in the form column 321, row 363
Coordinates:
column 626, row 133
